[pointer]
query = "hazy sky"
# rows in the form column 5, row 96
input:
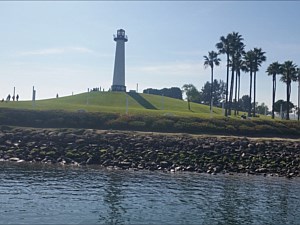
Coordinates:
column 65, row 47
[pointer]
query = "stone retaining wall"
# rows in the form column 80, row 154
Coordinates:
column 151, row 151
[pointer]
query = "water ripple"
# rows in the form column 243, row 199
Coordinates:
column 39, row 194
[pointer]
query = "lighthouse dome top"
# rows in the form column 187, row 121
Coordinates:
column 120, row 35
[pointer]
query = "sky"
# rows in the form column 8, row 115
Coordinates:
column 66, row 47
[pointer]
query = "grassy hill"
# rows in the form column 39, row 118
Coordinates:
column 107, row 110
column 115, row 102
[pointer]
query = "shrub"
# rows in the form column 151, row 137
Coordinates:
column 243, row 129
column 230, row 128
column 163, row 125
column 183, row 126
column 165, row 122
column 266, row 129
column 137, row 124
column 116, row 124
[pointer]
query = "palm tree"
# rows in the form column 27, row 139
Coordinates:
column 237, row 50
column 240, row 66
column 259, row 59
column 249, row 59
column 273, row 70
column 289, row 74
column 211, row 60
column 224, row 48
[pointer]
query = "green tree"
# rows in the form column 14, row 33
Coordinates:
column 282, row 105
column 258, row 60
column 262, row 109
column 244, row 103
column 289, row 74
column 191, row 93
column 210, row 61
column 273, row 70
column 219, row 89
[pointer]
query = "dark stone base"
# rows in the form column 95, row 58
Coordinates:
column 200, row 153
column 118, row 88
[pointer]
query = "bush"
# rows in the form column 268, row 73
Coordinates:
column 183, row 126
column 243, row 129
column 266, row 129
column 163, row 125
column 230, row 129
column 137, row 125
column 116, row 124
column 165, row 122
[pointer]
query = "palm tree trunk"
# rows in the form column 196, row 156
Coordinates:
column 239, row 83
column 273, row 99
column 250, row 95
column 236, row 81
column 211, row 87
column 298, row 97
column 254, row 93
column 231, row 90
column 227, row 79
column 288, row 87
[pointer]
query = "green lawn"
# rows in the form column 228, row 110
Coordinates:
column 107, row 110
column 116, row 102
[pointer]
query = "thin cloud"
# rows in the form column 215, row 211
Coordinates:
column 184, row 68
column 55, row 51
column 282, row 50
column 189, row 53
column 176, row 68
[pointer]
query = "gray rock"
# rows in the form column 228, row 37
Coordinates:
column 14, row 159
column 124, row 165
column 164, row 164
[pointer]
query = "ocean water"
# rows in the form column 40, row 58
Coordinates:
column 44, row 194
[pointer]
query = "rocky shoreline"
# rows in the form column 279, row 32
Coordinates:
column 151, row 151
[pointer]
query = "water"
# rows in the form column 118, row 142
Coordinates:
column 43, row 194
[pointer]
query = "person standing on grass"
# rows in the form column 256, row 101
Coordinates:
column 8, row 98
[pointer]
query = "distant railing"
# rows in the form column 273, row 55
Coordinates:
column 120, row 36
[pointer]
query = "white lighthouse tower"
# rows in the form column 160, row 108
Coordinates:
column 119, row 69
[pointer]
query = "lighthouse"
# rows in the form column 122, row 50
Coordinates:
column 119, row 68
